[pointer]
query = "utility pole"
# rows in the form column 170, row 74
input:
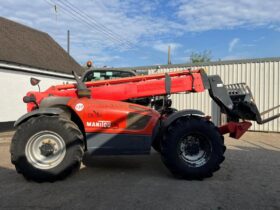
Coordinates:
column 169, row 55
column 68, row 42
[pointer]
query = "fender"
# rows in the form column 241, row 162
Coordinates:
column 181, row 113
column 54, row 101
column 37, row 112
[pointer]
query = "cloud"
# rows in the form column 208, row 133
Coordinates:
column 163, row 47
column 232, row 44
column 104, row 29
column 233, row 57
column 134, row 25
column 203, row 15
column 259, row 39
column 183, row 59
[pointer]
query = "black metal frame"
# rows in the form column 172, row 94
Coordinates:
column 236, row 101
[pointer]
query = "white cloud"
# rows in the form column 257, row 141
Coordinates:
column 125, row 22
column 141, row 23
column 202, row 15
column 104, row 58
column 233, row 57
column 259, row 39
column 183, row 59
column 232, row 44
column 163, row 47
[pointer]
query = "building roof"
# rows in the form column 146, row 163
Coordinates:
column 211, row 63
column 26, row 46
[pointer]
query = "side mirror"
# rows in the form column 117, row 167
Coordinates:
column 34, row 82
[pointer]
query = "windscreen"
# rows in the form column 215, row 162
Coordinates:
column 105, row 75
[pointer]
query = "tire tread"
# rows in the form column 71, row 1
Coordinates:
column 182, row 123
column 67, row 125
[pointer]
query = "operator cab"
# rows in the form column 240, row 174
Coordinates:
column 111, row 73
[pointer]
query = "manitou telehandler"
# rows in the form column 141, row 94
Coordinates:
column 98, row 118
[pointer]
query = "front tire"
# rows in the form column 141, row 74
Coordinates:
column 192, row 148
column 47, row 148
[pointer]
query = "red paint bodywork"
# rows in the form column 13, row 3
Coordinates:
column 235, row 129
column 115, row 112
column 128, row 88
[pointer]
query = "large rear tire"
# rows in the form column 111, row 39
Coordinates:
column 47, row 148
column 192, row 148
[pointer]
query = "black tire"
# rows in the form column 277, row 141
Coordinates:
column 68, row 156
column 189, row 138
column 156, row 145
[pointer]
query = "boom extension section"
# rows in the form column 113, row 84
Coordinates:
column 137, row 87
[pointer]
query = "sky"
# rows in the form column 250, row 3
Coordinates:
column 122, row 33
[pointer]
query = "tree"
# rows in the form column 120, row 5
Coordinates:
column 201, row 57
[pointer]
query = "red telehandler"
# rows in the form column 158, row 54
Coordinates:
column 99, row 118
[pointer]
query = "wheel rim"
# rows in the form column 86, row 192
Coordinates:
column 45, row 150
column 195, row 149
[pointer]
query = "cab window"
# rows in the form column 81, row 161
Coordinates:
column 105, row 75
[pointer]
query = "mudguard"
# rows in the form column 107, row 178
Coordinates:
column 52, row 101
column 181, row 113
column 41, row 111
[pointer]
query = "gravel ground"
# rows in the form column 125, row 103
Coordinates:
column 248, row 179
